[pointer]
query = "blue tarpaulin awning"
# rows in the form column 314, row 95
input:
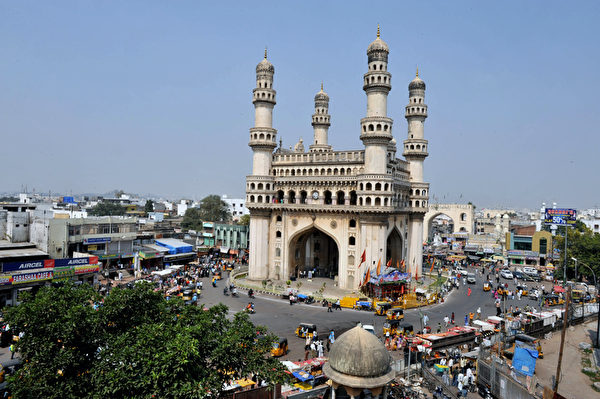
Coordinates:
column 524, row 360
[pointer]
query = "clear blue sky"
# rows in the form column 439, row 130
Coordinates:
column 155, row 96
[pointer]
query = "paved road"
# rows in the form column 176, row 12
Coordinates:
column 282, row 319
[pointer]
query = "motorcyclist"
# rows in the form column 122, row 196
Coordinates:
column 234, row 291
column 251, row 293
column 224, row 290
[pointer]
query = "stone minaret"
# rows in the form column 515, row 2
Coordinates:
column 376, row 127
column 321, row 122
column 415, row 152
column 260, row 184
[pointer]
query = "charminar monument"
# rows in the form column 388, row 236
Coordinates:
column 320, row 210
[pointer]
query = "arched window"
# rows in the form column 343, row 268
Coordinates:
column 416, row 204
column 260, row 186
column 259, row 199
column 327, row 195
column 267, row 199
column 278, row 234
column 323, row 172
column 340, row 198
column 377, row 186
column 361, row 187
column 278, row 218
column 353, row 197
column 463, row 217
column 377, row 201
column 369, row 187
column 385, row 202
column 280, row 196
column 378, row 126
column 303, row 196
column 352, row 241
column 292, row 197
column 252, row 198
column 293, row 172
column 360, row 201
column 252, row 186
column 386, row 187
column 368, row 201
column 352, row 223
column 417, row 192
column 371, row 128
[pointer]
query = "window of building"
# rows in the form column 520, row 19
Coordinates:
column 352, row 223
column 352, row 241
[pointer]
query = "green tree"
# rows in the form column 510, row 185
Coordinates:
column 244, row 220
column 136, row 345
column 213, row 208
column 582, row 244
column 192, row 219
column 149, row 207
column 107, row 209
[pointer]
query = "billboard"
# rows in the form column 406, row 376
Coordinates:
column 560, row 216
column 30, row 277
column 96, row 240
column 27, row 265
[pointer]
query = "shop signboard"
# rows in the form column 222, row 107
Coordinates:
column 96, row 240
column 90, row 260
column 32, row 277
column 86, row 269
column 92, row 247
column 560, row 216
column 5, row 280
column 63, row 273
column 27, row 265
column 109, row 256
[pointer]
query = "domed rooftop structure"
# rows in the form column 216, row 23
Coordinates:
column 265, row 65
column 321, row 95
column 417, row 83
column 378, row 44
column 358, row 359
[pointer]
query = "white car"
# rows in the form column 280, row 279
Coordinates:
column 369, row 328
column 505, row 273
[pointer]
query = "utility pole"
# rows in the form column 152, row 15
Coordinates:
column 562, row 341
column 565, row 267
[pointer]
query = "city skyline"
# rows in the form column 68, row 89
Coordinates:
column 150, row 98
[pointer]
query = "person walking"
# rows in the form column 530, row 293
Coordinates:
column 469, row 292
column 329, row 307
column 452, row 318
column 12, row 350
column 338, row 306
column 466, row 320
column 479, row 313
column 425, row 320
column 446, row 321
column 291, row 299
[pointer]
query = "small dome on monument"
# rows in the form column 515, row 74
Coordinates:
column 265, row 65
column 321, row 95
column 417, row 83
column 299, row 147
column 358, row 359
column 378, row 44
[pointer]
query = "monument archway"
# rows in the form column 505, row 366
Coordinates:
column 463, row 216
column 395, row 247
column 315, row 250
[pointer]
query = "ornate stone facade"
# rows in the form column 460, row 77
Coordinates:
column 321, row 209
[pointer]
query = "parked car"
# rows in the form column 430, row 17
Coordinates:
column 471, row 278
column 532, row 273
column 518, row 274
column 505, row 273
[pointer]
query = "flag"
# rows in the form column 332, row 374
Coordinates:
column 403, row 264
column 397, row 264
column 432, row 263
column 389, row 263
column 378, row 270
column 367, row 276
column 363, row 257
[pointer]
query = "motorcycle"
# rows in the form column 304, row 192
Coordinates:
column 251, row 294
column 250, row 309
column 234, row 292
column 225, row 292
column 484, row 392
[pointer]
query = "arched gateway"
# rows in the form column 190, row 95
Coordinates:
column 314, row 251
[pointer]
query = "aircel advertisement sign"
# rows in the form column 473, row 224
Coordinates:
column 48, row 263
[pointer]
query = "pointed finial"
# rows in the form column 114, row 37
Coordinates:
column 321, row 85
column 378, row 30
column 265, row 52
column 417, row 71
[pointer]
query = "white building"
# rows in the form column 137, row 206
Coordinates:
column 236, row 206
column 323, row 208
column 591, row 218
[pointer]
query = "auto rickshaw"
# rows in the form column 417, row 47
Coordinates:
column 391, row 327
column 217, row 275
column 404, row 328
column 305, row 329
column 280, row 347
column 381, row 308
column 554, row 300
column 487, row 286
column 523, row 288
column 395, row 314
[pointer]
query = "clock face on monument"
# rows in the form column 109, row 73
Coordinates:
column 315, row 195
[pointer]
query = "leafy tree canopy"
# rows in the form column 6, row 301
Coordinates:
column 107, row 209
column 135, row 345
column 192, row 219
column 149, row 206
column 582, row 244
column 214, row 209
column 244, row 220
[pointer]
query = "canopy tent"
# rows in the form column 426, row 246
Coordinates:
column 163, row 273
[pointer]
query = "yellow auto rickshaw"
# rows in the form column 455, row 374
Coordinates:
column 381, row 308
column 280, row 347
column 395, row 314
column 390, row 327
column 487, row 286
column 306, row 329
column 523, row 288
column 554, row 300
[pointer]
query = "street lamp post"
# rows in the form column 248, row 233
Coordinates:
column 596, row 287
